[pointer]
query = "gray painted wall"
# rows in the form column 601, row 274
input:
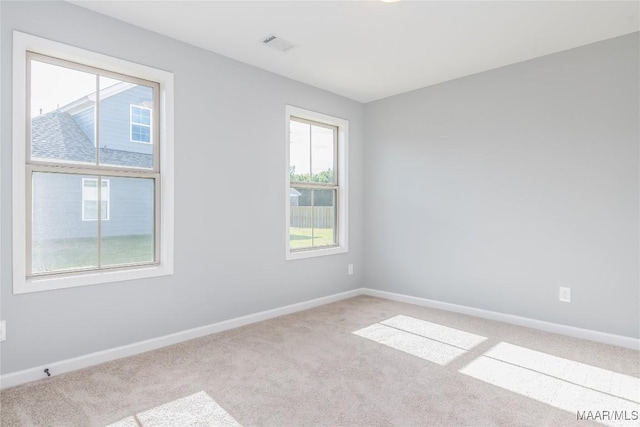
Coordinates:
column 229, row 147
column 489, row 191
column 493, row 190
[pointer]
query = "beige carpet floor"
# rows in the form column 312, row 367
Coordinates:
column 359, row 362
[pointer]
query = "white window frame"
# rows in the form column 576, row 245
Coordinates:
column 131, row 123
column 23, row 43
column 342, row 199
column 104, row 197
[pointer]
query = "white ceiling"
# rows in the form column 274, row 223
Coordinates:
column 366, row 50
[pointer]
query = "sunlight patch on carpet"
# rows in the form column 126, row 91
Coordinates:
column 610, row 382
column 426, row 340
column 559, row 382
column 196, row 410
column 444, row 334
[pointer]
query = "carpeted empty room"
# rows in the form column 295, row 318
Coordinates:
column 322, row 367
column 319, row 213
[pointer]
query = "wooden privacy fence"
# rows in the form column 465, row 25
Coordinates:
column 307, row 216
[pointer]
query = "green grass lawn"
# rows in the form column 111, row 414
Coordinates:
column 66, row 254
column 301, row 237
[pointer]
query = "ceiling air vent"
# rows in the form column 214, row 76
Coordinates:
column 277, row 43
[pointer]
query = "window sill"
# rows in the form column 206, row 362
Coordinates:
column 313, row 253
column 62, row 281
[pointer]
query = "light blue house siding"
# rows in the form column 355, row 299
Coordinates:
column 86, row 122
column 115, row 124
column 58, row 212
column 59, row 208
column 131, row 209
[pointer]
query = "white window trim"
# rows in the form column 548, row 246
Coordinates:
column 21, row 284
column 343, row 184
column 131, row 123
column 106, row 181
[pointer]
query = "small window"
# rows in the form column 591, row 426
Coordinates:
column 140, row 124
column 316, row 184
column 92, row 202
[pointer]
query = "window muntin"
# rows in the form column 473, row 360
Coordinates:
column 62, row 141
column 90, row 199
column 313, row 154
column 140, row 124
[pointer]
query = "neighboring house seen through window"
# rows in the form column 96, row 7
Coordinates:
column 316, row 187
column 94, row 211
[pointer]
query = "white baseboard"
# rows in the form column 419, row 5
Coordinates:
column 556, row 328
column 68, row 365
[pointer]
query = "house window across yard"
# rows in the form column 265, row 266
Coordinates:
column 316, row 184
column 89, row 206
column 91, row 199
column 140, row 124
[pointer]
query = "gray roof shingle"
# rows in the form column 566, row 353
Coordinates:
column 57, row 136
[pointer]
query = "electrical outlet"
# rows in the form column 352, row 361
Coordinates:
column 565, row 294
column 350, row 269
column 3, row 330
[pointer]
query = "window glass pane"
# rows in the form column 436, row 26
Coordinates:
column 90, row 210
column 128, row 235
column 145, row 133
column 324, row 218
column 140, row 133
column 140, row 115
column 62, row 112
column 125, row 125
column 299, row 151
column 322, row 154
column 301, row 230
column 312, row 218
column 60, row 239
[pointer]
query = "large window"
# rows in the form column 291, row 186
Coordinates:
column 89, row 206
column 316, row 184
